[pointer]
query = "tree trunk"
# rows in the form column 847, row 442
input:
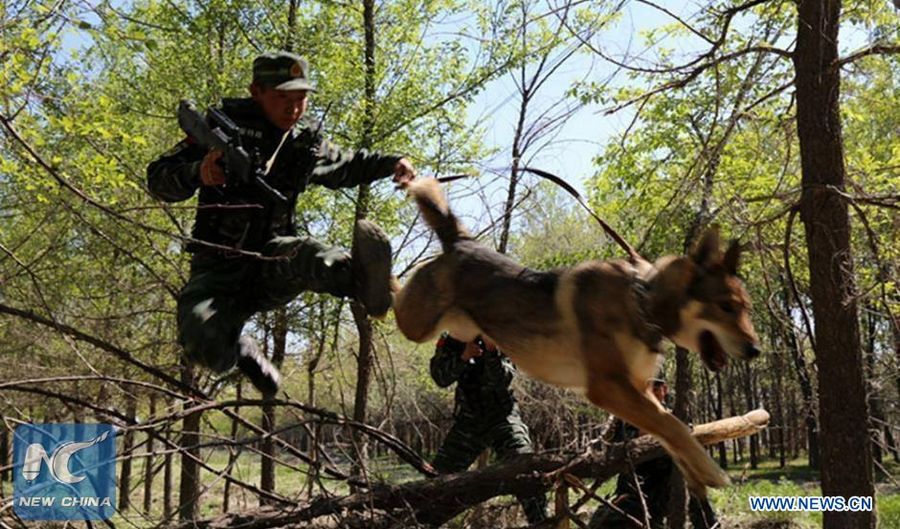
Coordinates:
column 527, row 87
column 363, row 380
column 127, row 447
column 803, row 377
column 873, row 400
column 750, row 398
column 733, row 410
column 895, row 331
column 891, row 443
column 148, row 462
column 516, row 162
column 232, row 453
column 291, row 26
column 677, row 514
column 279, row 343
column 311, row 367
column 4, row 455
column 267, row 449
column 797, row 437
column 778, row 397
column 363, row 324
column 845, row 450
column 723, row 455
column 189, row 488
column 167, row 481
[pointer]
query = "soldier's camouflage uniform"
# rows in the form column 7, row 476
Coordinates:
column 226, row 288
column 654, row 478
column 486, row 413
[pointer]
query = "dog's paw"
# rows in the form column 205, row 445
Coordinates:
column 701, row 471
column 695, row 489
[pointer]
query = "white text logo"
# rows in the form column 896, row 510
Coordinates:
column 58, row 462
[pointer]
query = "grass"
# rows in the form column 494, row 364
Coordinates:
column 796, row 479
column 733, row 507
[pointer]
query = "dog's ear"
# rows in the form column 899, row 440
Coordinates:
column 707, row 252
column 732, row 257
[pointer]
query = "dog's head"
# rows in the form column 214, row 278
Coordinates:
column 714, row 308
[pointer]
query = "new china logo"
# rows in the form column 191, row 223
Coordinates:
column 64, row 471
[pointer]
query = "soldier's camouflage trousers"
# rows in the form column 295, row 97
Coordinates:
column 224, row 292
column 507, row 437
column 700, row 512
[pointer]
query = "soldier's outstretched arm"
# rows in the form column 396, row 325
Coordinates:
column 335, row 168
column 175, row 175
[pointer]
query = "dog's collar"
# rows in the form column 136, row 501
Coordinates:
column 649, row 331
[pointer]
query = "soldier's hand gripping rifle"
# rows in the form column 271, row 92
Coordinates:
column 240, row 167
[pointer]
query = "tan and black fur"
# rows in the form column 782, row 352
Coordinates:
column 595, row 327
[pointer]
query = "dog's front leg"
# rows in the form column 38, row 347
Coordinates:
column 623, row 400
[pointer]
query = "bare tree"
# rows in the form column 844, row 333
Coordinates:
column 543, row 51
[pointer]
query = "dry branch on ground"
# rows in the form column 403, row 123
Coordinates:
column 431, row 502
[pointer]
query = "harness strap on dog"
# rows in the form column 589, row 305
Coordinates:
column 633, row 256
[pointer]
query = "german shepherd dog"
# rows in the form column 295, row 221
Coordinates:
column 596, row 327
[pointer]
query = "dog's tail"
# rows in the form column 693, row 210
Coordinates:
column 432, row 203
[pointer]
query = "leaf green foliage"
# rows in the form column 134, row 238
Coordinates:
column 687, row 155
column 872, row 172
column 554, row 233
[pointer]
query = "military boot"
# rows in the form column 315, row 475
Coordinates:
column 255, row 366
column 372, row 268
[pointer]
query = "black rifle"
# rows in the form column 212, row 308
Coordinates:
column 240, row 166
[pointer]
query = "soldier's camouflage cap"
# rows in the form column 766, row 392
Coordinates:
column 282, row 70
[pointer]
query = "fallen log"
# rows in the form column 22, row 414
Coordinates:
column 431, row 502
